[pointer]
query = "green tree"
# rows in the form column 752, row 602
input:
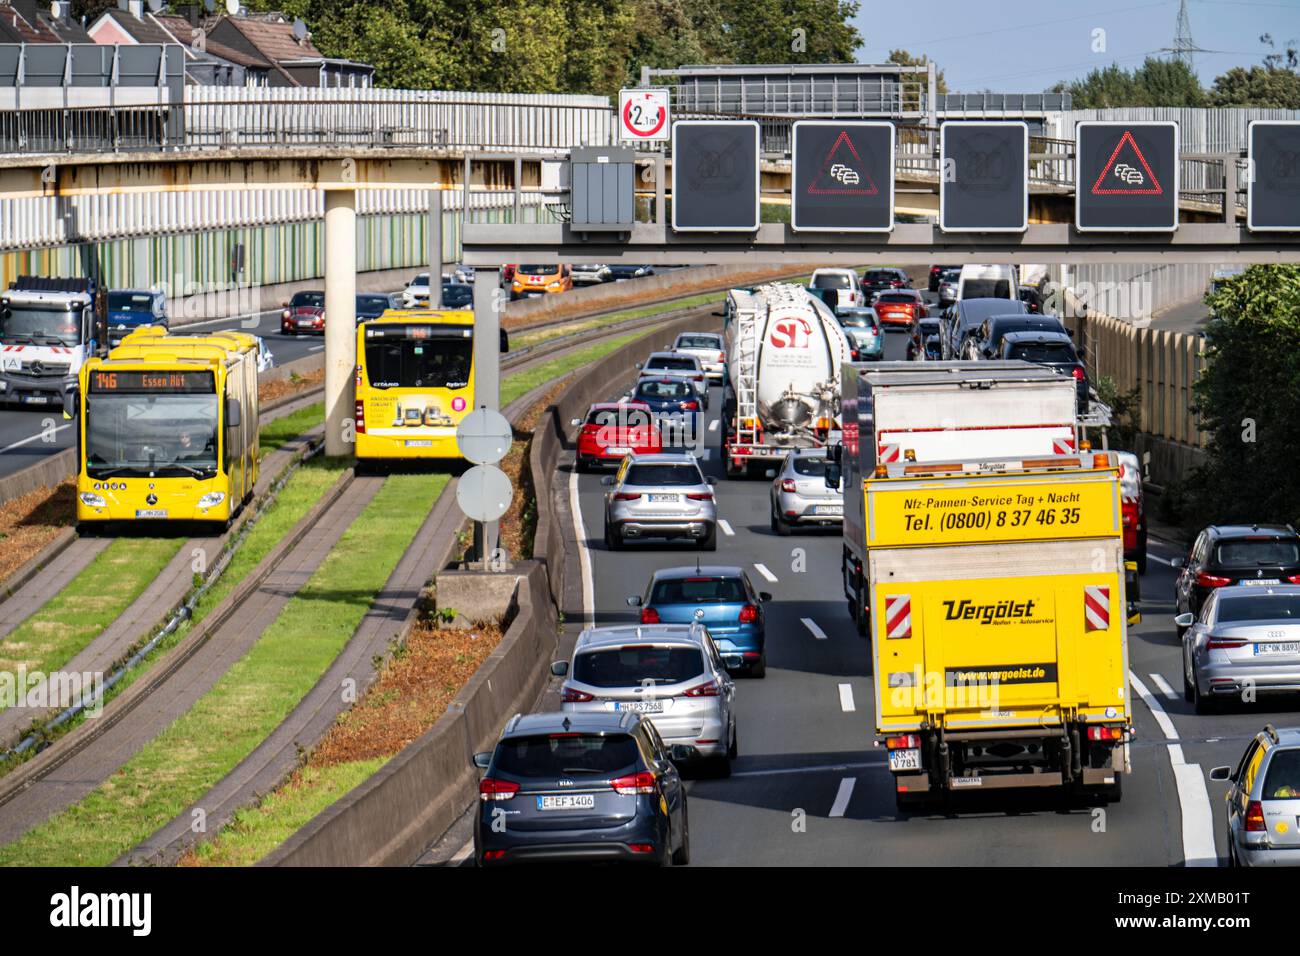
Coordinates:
column 1154, row 83
column 903, row 58
column 1247, row 399
column 1260, row 86
column 789, row 31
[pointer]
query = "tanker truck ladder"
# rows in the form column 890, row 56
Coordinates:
column 747, row 377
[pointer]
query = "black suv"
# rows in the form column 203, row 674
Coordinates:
column 1236, row 554
column 880, row 280
column 960, row 319
column 599, row 786
column 986, row 338
column 1053, row 349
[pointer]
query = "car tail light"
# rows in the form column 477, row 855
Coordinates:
column 1105, row 733
column 1224, row 643
column 494, row 854
column 572, row 695
column 698, row 378
column 853, row 354
column 700, row 495
column 1293, row 578
column 490, row 789
column 1255, row 817
column 711, row 688
column 1078, row 374
column 749, row 614
column 641, row 847
column 722, row 356
column 904, row 742
column 1211, row 580
column 642, row 781
column 627, row 496
column 649, row 615
column 361, row 417
column 690, row 406
column 787, row 484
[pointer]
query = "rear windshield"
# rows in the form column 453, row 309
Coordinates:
column 1283, row 780
column 1257, row 553
column 673, row 363
column 663, row 475
column 811, row 466
column 674, row 389
column 372, row 303
column 697, row 342
column 616, row 417
column 858, row 320
column 881, row 275
column 314, row 299
column 561, row 754
column 699, row 590
column 895, row 297
column 629, row 666
column 1042, row 352
column 986, row 288
column 830, row 280
column 418, row 356
column 1259, row 607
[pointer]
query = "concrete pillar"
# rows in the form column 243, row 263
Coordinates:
column 340, row 319
column 435, row 248
column 488, row 303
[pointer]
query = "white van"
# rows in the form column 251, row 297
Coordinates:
column 848, row 291
column 988, row 282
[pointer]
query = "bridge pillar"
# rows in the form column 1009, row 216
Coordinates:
column 340, row 319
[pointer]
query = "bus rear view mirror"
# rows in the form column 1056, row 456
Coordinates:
column 70, row 403
column 232, row 413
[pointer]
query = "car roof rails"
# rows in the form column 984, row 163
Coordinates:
column 511, row 724
column 1272, row 732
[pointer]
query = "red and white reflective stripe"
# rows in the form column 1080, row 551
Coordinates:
column 1096, row 608
column 898, row 615
column 889, row 453
column 1062, row 446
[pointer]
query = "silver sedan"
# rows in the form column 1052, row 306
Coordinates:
column 1244, row 643
column 660, row 496
column 799, row 492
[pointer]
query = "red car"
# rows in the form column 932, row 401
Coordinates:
column 900, row 307
column 612, row 431
column 305, row 312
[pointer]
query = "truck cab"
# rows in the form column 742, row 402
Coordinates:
column 131, row 309
column 49, row 327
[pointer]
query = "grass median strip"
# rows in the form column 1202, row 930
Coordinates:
column 248, row 701
column 275, row 434
column 514, row 386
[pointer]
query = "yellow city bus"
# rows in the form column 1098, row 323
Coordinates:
column 415, row 382
column 167, row 430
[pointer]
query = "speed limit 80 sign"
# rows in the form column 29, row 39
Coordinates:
column 643, row 115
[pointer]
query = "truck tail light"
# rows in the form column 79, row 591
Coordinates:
column 1106, row 733
column 490, row 789
column 641, row 782
column 903, row 742
column 1211, row 580
column 361, row 417
column 574, row 696
column 1255, row 818
column 749, row 614
column 649, row 615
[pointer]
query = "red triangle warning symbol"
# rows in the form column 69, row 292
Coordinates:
column 843, row 173
column 1123, row 178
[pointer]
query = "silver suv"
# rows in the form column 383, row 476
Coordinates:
column 799, row 492
column 709, row 348
column 1264, row 800
column 668, row 673
column 660, row 496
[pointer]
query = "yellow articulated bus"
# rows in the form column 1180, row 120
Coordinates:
column 415, row 382
column 167, row 429
column 999, row 612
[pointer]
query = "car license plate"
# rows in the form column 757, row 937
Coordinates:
column 36, row 399
column 1290, row 647
column 151, row 513
column 419, row 443
column 828, row 509
column 664, row 498
column 620, row 450
column 1260, row 581
column 567, row 801
column 905, row 760
column 640, row 706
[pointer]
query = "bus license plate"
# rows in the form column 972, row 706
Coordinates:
column 36, row 399
column 567, row 801
column 151, row 513
column 905, row 760
column 419, row 443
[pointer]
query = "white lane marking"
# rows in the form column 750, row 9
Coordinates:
column 762, row 569
column 316, row 348
column 37, row 437
column 713, row 425
column 584, row 559
column 1193, row 799
column 843, row 797
column 846, row 698
column 816, row 768
column 462, row 854
column 817, row 632
column 725, row 526
column 1164, row 686
column 1156, row 557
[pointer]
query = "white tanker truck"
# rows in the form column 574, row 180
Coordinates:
column 784, row 351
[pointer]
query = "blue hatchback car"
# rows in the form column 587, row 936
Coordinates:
column 720, row 597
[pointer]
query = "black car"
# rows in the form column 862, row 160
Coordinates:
column 922, row 331
column 371, row 305
column 1032, row 298
column 457, row 295
column 1235, row 554
column 1053, row 349
column 936, row 275
column 961, row 318
column 581, row 786
column 627, row 271
column 986, row 338
column 878, row 280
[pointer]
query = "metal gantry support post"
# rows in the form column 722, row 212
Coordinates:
column 435, row 248
column 340, row 319
column 488, row 305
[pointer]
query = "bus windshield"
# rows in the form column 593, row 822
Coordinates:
column 159, row 433
column 34, row 325
column 419, row 356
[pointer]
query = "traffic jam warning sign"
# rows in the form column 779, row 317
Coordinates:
column 1273, row 190
column 643, row 115
column 1126, row 177
column 842, row 177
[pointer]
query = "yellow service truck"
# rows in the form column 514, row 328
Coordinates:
column 998, row 623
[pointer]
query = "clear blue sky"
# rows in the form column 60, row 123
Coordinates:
column 1024, row 46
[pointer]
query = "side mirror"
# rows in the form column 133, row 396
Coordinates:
column 719, row 315
column 483, row 760
column 559, row 668
column 638, row 366
column 505, row 341
column 833, row 475
column 770, row 473
column 765, row 595
column 683, row 753
column 634, row 601
column 1178, row 563
column 575, row 422
column 1221, row 774
column 1185, row 620
column 70, row 403
column 284, row 304
column 232, row 413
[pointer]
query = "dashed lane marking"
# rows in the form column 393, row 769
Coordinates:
column 726, row 527
column 762, row 569
column 846, row 698
column 817, row 632
column 1164, row 686
column 843, row 797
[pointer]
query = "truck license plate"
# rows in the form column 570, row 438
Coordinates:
column 905, row 760
column 567, row 801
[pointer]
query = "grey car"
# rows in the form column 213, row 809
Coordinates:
column 678, row 365
column 590, row 273
column 669, row 673
column 1245, row 642
column 709, row 348
column 660, row 496
column 1263, row 800
column 799, row 493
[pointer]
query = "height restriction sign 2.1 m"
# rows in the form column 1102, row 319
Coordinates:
column 842, row 178
column 1126, row 177
column 643, row 115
